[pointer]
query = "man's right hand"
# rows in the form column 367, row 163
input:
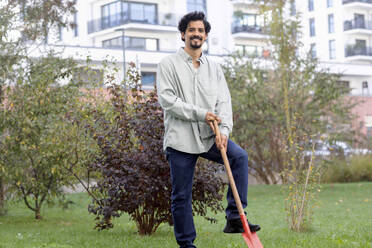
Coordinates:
column 210, row 118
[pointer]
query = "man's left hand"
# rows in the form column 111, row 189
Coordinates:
column 222, row 143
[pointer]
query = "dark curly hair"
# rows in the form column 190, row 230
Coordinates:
column 193, row 16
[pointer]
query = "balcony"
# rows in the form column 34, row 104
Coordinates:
column 358, row 27
column 247, row 31
column 357, row 3
column 358, row 53
column 165, row 22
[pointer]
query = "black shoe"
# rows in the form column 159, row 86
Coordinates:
column 236, row 226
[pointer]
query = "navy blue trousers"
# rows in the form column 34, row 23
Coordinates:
column 182, row 167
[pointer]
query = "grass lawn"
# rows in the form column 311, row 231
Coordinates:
column 343, row 219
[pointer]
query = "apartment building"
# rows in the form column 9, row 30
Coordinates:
column 338, row 32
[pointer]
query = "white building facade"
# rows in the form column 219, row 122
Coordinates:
column 338, row 32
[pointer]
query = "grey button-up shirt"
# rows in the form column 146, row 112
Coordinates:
column 186, row 94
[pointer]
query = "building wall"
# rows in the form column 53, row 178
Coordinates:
column 221, row 41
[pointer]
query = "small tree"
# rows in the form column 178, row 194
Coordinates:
column 135, row 173
column 43, row 139
column 33, row 20
column 282, row 106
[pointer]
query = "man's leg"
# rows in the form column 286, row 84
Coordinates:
column 238, row 160
column 182, row 167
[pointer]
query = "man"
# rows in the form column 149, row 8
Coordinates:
column 193, row 93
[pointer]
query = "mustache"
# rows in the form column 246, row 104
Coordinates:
column 196, row 37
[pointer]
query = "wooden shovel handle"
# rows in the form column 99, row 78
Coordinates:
column 229, row 173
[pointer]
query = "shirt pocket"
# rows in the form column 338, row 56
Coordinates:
column 205, row 130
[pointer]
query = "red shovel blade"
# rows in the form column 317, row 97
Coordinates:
column 250, row 238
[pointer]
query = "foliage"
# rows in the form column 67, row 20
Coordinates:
column 345, row 209
column 282, row 106
column 135, row 176
column 43, row 137
column 23, row 23
column 357, row 169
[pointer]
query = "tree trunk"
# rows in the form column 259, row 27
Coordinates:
column 2, row 198
column 37, row 214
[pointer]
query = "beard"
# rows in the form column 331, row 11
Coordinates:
column 195, row 45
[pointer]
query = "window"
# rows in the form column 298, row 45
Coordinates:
column 293, row 8
column 249, row 50
column 329, row 3
column 119, row 12
column 359, row 21
column 312, row 26
column 313, row 50
column 369, row 132
column 365, row 90
column 360, row 47
column 90, row 76
column 196, row 5
column 332, row 49
column 331, row 24
column 311, row 5
column 59, row 37
column 248, row 23
column 132, row 43
column 76, row 31
column 148, row 78
column 344, row 84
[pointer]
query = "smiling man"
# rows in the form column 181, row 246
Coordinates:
column 193, row 93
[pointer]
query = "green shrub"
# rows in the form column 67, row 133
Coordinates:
column 361, row 168
column 358, row 169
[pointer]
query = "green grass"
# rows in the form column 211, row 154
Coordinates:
column 343, row 219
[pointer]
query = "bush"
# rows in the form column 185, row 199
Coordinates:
column 358, row 169
column 135, row 174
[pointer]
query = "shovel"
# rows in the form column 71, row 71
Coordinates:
column 250, row 238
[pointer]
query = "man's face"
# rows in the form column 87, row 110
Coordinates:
column 195, row 34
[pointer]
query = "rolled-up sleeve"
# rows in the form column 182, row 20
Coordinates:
column 223, row 106
column 169, row 100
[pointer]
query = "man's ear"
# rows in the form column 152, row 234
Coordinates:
column 183, row 35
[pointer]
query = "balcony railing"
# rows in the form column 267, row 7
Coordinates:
column 237, row 28
column 352, row 24
column 358, row 51
column 356, row 1
column 166, row 19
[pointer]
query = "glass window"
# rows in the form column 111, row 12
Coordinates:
column 59, row 33
column 124, row 11
column 239, row 49
column 329, row 3
column 148, row 78
column 132, row 42
column 312, row 26
column 332, row 49
column 150, row 14
column 311, row 5
column 293, row 8
column 76, row 25
column 138, row 43
column 331, row 24
column 105, row 16
column 136, row 11
column 313, row 50
column 369, row 132
column 360, row 47
column 151, row 44
column 251, row 50
column 196, row 5
column 359, row 21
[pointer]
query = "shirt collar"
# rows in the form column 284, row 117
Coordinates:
column 185, row 56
